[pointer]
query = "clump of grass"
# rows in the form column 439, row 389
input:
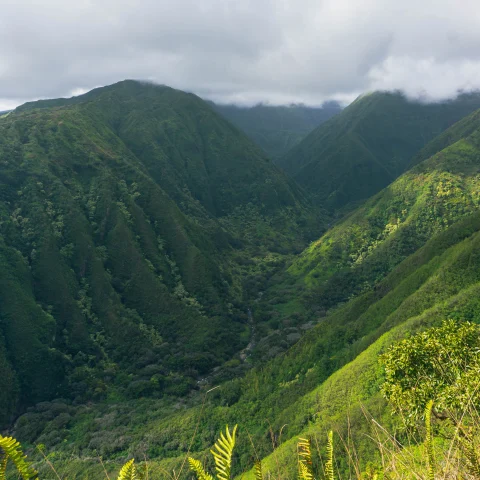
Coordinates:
column 430, row 459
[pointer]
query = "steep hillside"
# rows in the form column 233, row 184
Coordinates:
column 277, row 129
column 127, row 217
column 192, row 152
column 456, row 132
column 360, row 151
column 366, row 245
column 406, row 259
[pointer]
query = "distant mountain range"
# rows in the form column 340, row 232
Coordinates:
column 277, row 128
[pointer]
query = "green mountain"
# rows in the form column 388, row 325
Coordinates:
column 406, row 259
column 130, row 219
column 370, row 143
column 277, row 129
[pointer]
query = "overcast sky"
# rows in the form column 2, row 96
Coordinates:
column 241, row 51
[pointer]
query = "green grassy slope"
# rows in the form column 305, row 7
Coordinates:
column 440, row 281
column 406, row 259
column 126, row 218
column 360, row 151
column 277, row 129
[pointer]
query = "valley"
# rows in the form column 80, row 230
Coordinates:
column 163, row 276
column 277, row 129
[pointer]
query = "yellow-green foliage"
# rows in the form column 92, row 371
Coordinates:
column 329, row 463
column 258, row 470
column 197, row 467
column 429, row 441
column 222, row 453
column 128, row 471
column 304, row 459
column 305, row 464
column 441, row 364
column 12, row 451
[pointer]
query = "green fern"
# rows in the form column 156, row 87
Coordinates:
column 3, row 467
column 429, row 441
column 197, row 467
column 304, row 459
column 11, row 450
column 304, row 472
column 258, row 470
column 222, row 453
column 329, row 463
column 128, row 471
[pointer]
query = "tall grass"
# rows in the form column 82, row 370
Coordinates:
column 436, row 450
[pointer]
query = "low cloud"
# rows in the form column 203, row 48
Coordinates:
column 249, row 51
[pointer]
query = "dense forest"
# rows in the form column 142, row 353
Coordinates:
column 163, row 277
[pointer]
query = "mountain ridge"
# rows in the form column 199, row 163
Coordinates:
column 128, row 212
column 369, row 144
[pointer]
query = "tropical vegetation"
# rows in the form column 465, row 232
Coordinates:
column 162, row 278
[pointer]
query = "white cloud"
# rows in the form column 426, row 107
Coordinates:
column 278, row 51
column 426, row 78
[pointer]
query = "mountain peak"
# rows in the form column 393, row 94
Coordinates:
column 126, row 87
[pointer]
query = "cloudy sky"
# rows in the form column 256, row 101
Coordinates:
column 241, row 51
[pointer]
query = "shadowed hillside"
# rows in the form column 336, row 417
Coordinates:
column 369, row 144
column 130, row 218
column 278, row 129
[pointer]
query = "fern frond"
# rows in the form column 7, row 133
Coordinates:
column 429, row 441
column 128, row 471
column 12, row 450
column 258, row 470
column 3, row 467
column 197, row 467
column 305, row 459
column 222, row 453
column 304, row 450
column 304, row 472
column 329, row 463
